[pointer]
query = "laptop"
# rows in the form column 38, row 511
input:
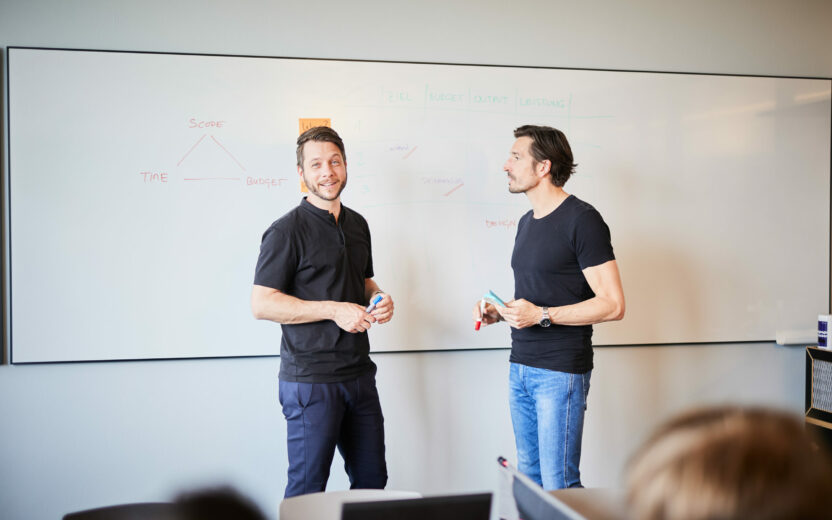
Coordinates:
column 449, row 507
column 533, row 502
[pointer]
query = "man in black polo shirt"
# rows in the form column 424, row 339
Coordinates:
column 565, row 279
column 315, row 277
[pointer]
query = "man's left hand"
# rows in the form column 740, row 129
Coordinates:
column 520, row 314
column 384, row 309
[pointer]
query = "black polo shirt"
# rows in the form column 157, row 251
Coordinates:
column 309, row 255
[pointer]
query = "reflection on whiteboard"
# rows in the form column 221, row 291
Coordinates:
column 140, row 184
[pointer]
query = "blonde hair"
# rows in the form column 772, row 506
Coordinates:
column 730, row 463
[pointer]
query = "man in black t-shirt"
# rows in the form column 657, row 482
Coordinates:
column 565, row 279
column 315, row 277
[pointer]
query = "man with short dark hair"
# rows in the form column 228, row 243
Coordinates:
column 315, row 277
column 565, row 279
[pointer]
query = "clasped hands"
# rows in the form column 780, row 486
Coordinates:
column 354, row 318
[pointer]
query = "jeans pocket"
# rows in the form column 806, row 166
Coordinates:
column 585, row 381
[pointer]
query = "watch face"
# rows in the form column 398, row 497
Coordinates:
column 544, row 319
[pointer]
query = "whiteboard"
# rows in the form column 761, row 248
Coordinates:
column 139, row 186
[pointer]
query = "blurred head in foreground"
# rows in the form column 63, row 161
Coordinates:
column 730, row 463
column 221, row 503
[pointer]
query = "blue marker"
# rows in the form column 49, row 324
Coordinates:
column 493, row 298
column 373, row 303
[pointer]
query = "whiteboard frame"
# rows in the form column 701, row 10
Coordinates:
column 6, row 282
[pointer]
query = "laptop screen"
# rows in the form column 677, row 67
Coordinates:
column 450, row 507
column 533, row 502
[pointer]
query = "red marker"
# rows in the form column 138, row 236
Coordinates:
column 482, row 311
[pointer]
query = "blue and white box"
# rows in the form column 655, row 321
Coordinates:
column 823, row 330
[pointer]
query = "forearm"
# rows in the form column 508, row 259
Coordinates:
column 588, row 312
column 273, row 305
column 370, row 288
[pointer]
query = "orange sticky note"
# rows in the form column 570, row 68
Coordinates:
column 304, row 124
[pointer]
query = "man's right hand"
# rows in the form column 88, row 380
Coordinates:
column 352, row 317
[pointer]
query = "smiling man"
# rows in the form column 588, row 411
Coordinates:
column 565, row 279
column 314, row 276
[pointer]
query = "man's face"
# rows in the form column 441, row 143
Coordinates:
column 324, row 170
column 521, row 167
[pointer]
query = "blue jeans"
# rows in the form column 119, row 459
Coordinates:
column 547, row 412
column 323, row 416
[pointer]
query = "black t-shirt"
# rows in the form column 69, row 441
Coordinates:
column 549, row 256
column 308, row 255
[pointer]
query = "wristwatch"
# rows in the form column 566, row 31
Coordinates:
column 544, row 319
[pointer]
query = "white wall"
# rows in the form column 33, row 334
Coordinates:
column 81, row 435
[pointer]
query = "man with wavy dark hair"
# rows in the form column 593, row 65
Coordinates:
column 565, row 280
column 315, row 277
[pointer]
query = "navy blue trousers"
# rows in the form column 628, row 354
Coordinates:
column 323, row 416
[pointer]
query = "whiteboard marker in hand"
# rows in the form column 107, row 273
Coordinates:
column 377, row 298
column 482, row 311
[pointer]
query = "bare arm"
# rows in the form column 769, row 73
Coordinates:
column 370, row 289
column 606, row 305
column 271, row 304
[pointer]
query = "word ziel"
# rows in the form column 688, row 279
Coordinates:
column 154, row 177
column 397, row 97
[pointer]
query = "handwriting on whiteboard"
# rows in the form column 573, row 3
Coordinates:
column 267, row 182
column 507, row 223
column 476, row 99
column 150, row 177
column 194, row 123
